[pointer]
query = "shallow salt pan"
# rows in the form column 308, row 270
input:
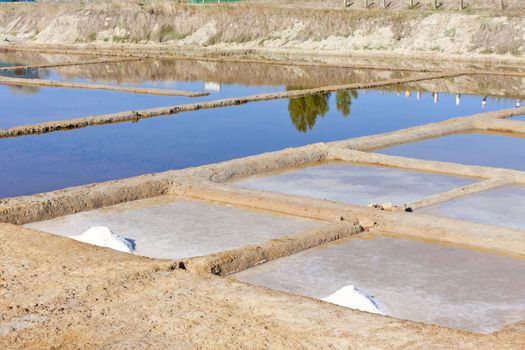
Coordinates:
column 344, row 182
column 170, row 228
column 504, row 206
column 411, row 280
column 494, row 150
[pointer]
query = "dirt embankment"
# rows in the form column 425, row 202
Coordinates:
column 268, row 27
column 453, row 5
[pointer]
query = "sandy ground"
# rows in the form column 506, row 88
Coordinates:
column 399, row 4
column 289, row 27
column 59, row 293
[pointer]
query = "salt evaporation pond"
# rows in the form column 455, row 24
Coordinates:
column 220, row 80
column 411, row 280
column 503, row 206
column 42, row 163
column 493, row 150
column 23, row 105
column 26, row 104
column 167, row 227
column 356, row 184
column 215, row 77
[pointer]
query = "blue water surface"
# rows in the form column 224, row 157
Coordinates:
column 41, row 163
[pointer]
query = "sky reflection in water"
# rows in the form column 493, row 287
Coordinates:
column 52, row 161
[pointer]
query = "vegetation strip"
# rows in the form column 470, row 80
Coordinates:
column 75, row 85
column 77, row 123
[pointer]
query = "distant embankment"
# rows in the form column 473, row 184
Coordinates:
column 259, row 26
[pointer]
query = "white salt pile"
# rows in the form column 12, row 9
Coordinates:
column 353, row 298
column 103, row 237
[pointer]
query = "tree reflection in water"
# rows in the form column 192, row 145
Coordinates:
column 343, row 101
column 305, row 110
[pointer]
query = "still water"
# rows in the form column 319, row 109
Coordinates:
column 485, row 149
column 28, row 105
column 52, row 161
column 24, row 105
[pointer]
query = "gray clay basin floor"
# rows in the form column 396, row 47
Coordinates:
column 170, row 228
column 493, row 150
column 417, row 281
column 504, row 206
column 356, row 184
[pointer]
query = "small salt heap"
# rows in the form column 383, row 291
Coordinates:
column 353, row 298
column 103, row 237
